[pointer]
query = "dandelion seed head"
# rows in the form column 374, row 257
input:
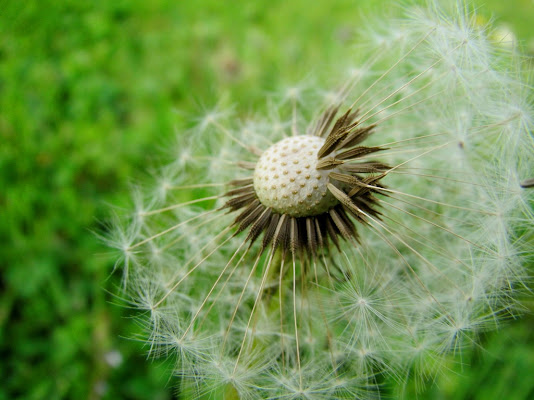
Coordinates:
column 302, row 253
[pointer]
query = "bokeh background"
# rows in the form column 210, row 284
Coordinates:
column 91, row 92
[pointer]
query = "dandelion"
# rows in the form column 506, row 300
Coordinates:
column 368, row 235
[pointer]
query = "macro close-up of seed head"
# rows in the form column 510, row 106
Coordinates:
column 351, row 239
column 294, row 178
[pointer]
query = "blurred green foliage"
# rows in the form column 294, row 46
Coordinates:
column 88, row 96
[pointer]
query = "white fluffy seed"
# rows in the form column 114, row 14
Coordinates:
column 287, row 180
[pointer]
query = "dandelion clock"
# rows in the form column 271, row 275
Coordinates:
column 367, row 233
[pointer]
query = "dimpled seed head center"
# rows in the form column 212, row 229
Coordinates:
column 287, row 180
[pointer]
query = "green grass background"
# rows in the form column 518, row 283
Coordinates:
column 90, row 91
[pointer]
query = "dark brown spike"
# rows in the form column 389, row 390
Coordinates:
column 311, row 236
column 343, row 121
column 332, row 231
column 240, row 201
column 285, row 242
column 239, row 191
column 349, row 179
column 338, row 133
column 357, row 136
column 247, row 217
column 325, row 121
column 328, row 163
column 246, row 165
column 352, row 117
column 243, row 214
column 367, row 207
column 280, row 232
column 241, row 182
column 358, row 152
column 303, row 240
column 330, row 143
column 261, row 224
column 345, row 201
column 321, row 232
column 340, row 224
column 365, row 167
column 269, row 231
column 369, row 199
column 348, row 222
column 350, row 120
column 293, row 235
column 368, row 181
